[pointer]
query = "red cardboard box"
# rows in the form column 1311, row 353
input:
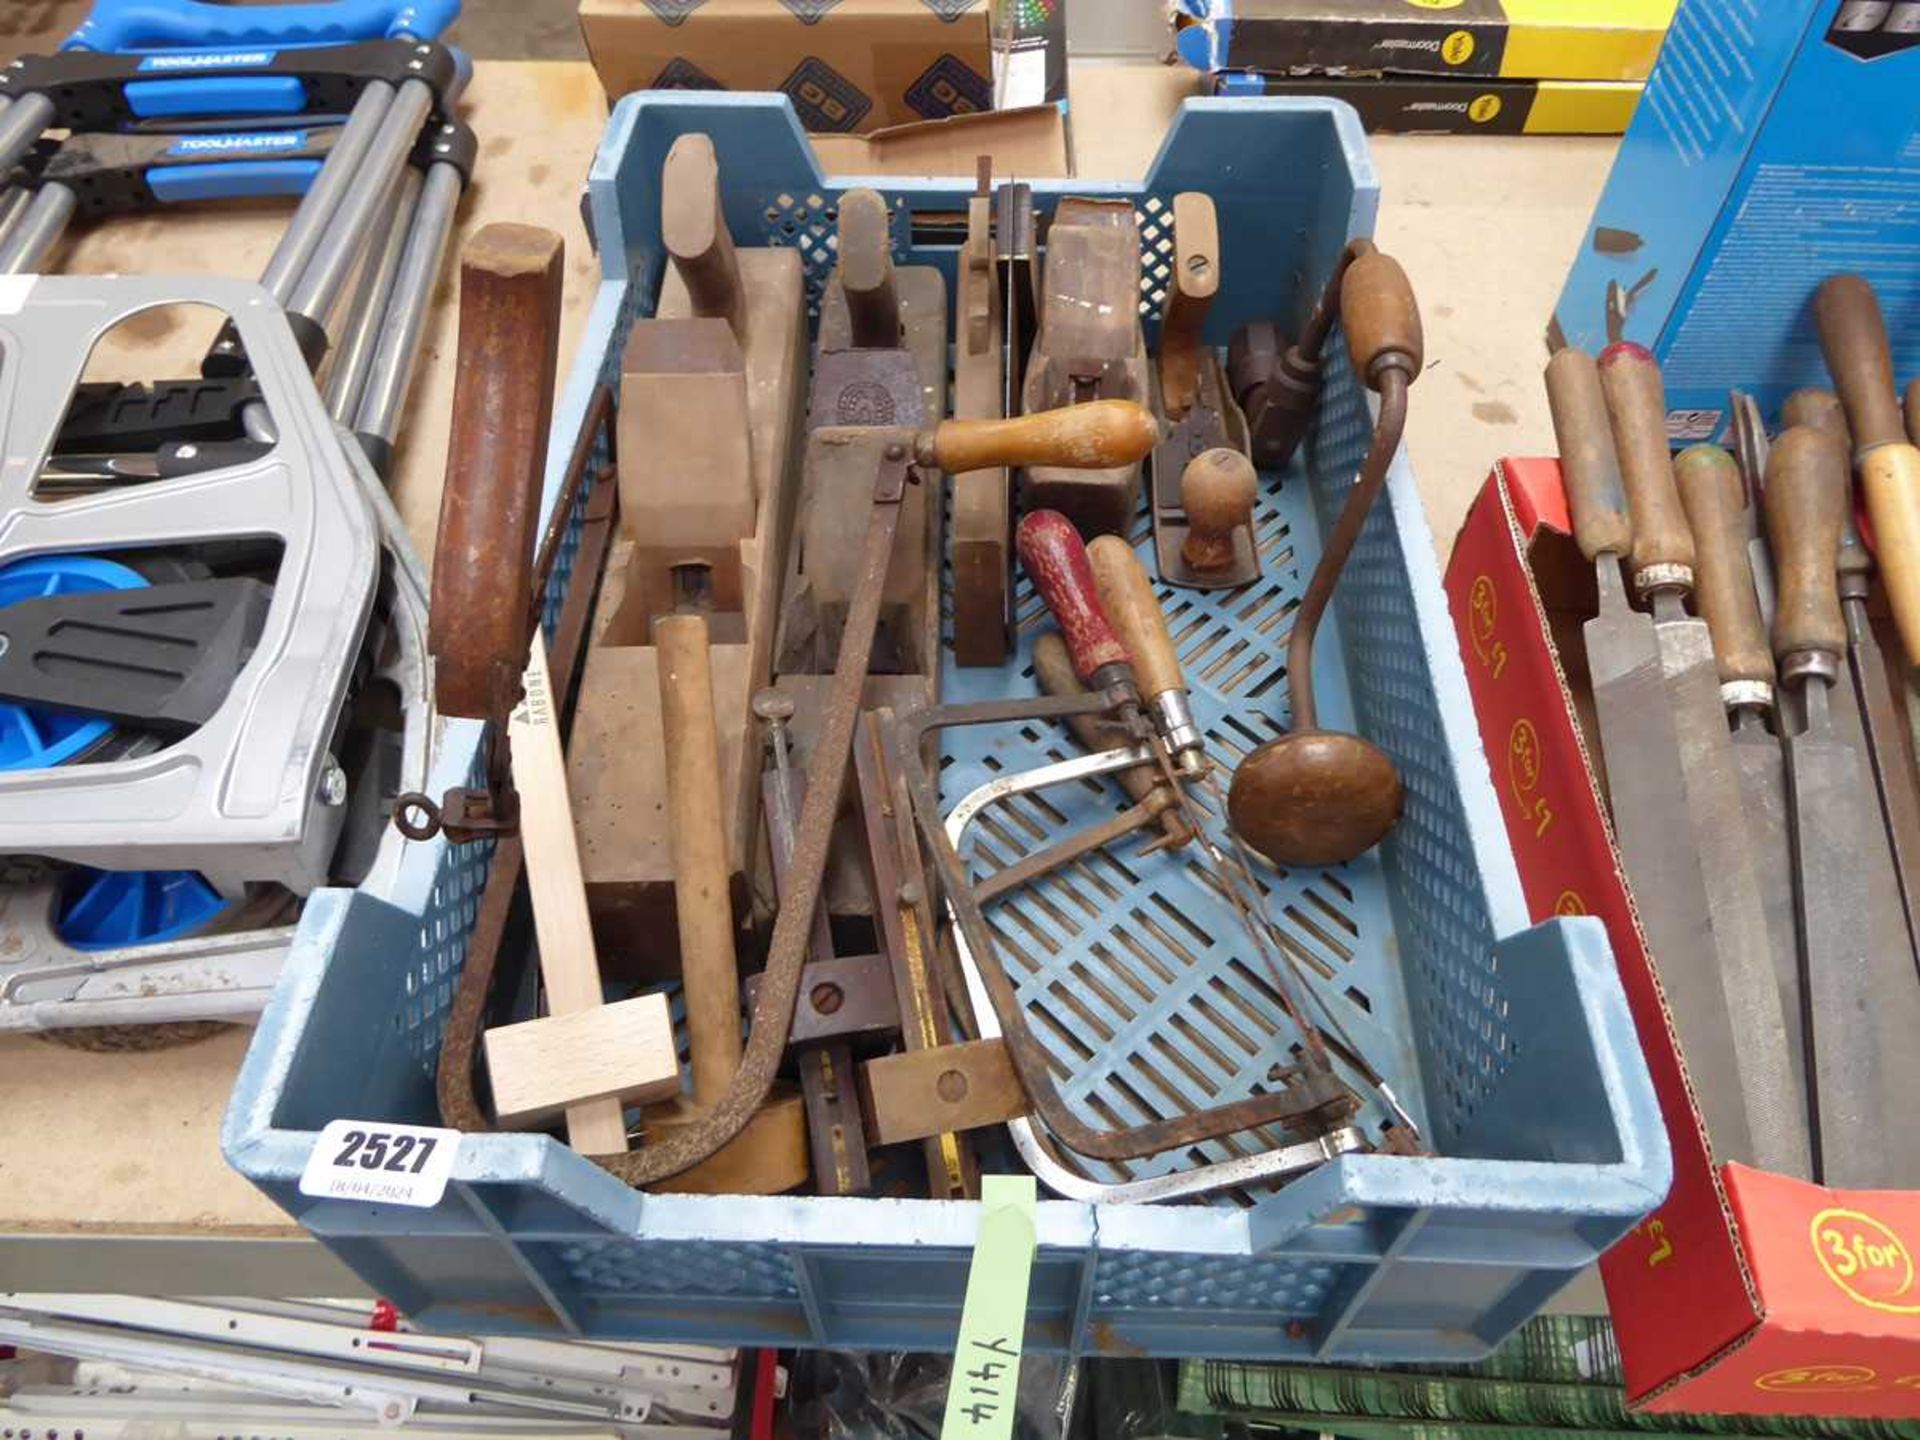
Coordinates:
column 1745, row 1292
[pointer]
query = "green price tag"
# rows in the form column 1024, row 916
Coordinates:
column 981, row 1397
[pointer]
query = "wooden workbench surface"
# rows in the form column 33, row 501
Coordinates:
column 1486, row 227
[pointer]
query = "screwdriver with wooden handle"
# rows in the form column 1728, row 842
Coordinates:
column 1663, row 569
column 1862, row 1007
column 1717, row 513
column 1867, row 709
column 1646, row 783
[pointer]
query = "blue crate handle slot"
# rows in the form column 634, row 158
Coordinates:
column 121, row 25
column 231, row 180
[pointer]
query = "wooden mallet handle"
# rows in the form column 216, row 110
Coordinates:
column 508, row 350
column 1056, row 558
column 1099, row 435
column 703, row 903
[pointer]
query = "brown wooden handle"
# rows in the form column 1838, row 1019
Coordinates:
column 1715, row 502
column 1099, row 435
column 1807, row 483
column 1913, row 410
column 1382, row 318
column 1056, row 558
column 866, row 271
column 1127, row 596
column 1217, row 490
column 1190, row 292
column 693, row 227
column 1853, row 336
column 1822, row 410
column 508, row 348
column 696, row 826
column 1589, row 465
column 1891, row 477
column 1637, row 410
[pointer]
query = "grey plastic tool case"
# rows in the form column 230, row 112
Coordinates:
column 1513, row 1045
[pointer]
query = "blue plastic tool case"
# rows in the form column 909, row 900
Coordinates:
column 1512, row 1045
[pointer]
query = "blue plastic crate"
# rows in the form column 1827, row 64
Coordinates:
column 1513, row 1045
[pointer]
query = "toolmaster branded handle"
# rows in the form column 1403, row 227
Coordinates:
column 1714, row 498
column 117, row 25
column 1637, row 410
column 1589, row 465
column 1853, row 335
column 1056, row 557
column 1806, row 504
column 1099, row 435
column 508, row 349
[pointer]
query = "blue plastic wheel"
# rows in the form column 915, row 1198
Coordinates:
column 106, row 909
column 36, row 737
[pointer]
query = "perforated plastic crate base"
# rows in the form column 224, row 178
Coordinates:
column 1514, row 1044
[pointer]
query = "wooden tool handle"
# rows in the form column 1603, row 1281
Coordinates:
column 693, row 227
column 1714, row 498
column 1126, row 594
column 1589, row 465
column 1821, row 409
column 696, row 809
column 1853, row 336
column 866, row 271
column 508, row 348
column 1099, row 435
column 1217, row 490
column 1190, row 292
column 1056, row 558
column 569, row 964
column 1806, row 497
column 1913, row 410
column 1382, row 318
column 1637, row 411
column 1891, row 477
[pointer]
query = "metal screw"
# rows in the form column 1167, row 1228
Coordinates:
column 951, row 1086
column 187, row 452
column 896, row 451
column 909, row 893
column 333, row 785
column 826, row 998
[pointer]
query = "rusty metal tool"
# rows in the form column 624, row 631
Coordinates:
column 1053, row 668
column 1308, row 1098
column 1090, row 347
column 1104, row 434
column 904, row 917
column 1662, row 562
column 1862, row 1006
column 1202, row 499
column 841, row 1000
column 1854, row 338
column 1016, row 250
column 1711, row 491
column 982, row 499
column 1314, row 796
column 1652, row 828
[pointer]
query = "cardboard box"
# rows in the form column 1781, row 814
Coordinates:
column 1517, row 39
column 1406, row 105
column 1775, row 147
column 1745, row 1292
column 1030, row 144
column 849, row 65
